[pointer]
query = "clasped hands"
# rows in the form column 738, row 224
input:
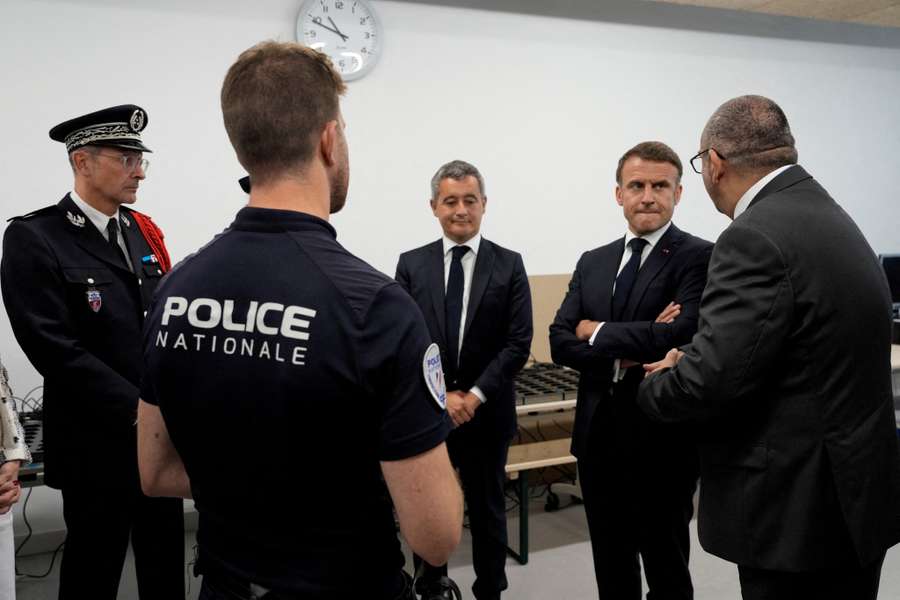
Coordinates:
column 669, row 361
column 461, row 406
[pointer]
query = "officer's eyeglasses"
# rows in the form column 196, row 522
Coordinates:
column 130, row 162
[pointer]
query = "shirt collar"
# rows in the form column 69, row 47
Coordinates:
column 652, row 238
column 474, row 243
column 100, row 220
column 755, row 189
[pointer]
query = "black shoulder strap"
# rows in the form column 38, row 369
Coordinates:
column 34, row 213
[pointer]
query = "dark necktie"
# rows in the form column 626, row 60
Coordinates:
column 453, row 304
column 112, row 238
column 627, row 277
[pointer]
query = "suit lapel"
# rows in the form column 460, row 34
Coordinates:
column 86, row 235
column 435, row 266
column 609, row 269
column 484, row 264
column 658, row 258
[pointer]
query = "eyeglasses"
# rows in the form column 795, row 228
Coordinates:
column 130, row 162
column 697, row 160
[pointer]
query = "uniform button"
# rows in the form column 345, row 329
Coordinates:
column 158, row 272
column 140, row 282
column 90, row 280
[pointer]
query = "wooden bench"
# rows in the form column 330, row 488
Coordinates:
column 522, row 458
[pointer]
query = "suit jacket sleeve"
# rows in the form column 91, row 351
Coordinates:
column 514, row 354
column 646, row 341
column 745, row 315
column 402, row 274
column 565, row 348
column 35, row 296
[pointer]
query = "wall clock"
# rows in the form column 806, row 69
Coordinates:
column 348, row 31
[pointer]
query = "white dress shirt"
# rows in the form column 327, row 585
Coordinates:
column 755, row 189
column 468, row 267
column 101, row 221
column 652, row 239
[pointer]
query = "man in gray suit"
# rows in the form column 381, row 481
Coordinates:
column 788, row 376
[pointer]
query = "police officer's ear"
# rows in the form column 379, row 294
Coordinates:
column 330, row 143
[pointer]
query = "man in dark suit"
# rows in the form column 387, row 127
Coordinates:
column 77, row 277
column 477, row 303
column 788, row 377
column 628, row 301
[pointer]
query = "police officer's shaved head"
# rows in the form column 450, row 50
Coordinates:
column 276, row 99
column 752, row 133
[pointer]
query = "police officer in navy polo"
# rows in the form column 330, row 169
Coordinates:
column 77, row 278
column 291, row 389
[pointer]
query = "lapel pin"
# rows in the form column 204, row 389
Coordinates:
column 665, row 250
column 76, row 220
column 126, row 221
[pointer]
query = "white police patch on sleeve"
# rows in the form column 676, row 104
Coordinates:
column 434, row 375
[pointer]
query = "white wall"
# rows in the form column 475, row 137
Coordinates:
column 544, row 105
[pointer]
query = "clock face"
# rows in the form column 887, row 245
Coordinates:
column 348, row 31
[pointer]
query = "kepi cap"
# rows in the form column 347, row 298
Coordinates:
column 118, row 126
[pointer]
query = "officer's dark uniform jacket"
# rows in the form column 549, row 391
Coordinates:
column 286, row 369
column 77, row 312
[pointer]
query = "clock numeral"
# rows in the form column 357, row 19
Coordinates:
column 339, row 5
column 311, row 33
column 363, row 20
column 343, row 63
column 368, row 35
column 364, row 50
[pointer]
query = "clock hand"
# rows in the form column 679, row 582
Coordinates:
column 336, row 28
column 318, row 21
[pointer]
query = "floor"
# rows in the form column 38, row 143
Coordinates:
column 559, row 568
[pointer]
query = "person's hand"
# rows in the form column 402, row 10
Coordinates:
column 669, row 313
column 9, row 485
column 585, row 329
column 461, row 406
column 672, row 357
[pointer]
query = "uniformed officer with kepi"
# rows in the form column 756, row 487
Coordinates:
column 292, row 389
column 77, row 278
